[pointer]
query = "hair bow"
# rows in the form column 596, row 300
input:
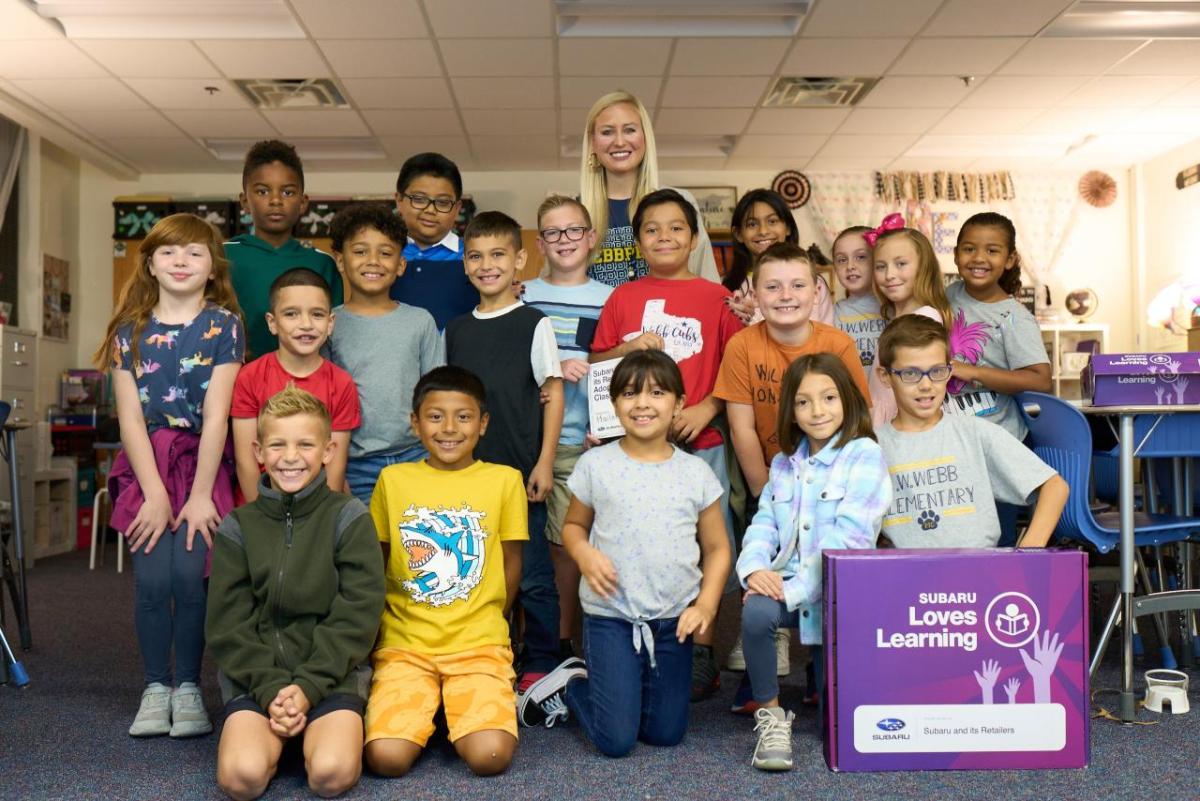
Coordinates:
column 890, row 223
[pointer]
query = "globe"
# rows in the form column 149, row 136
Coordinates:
column 1082, row 303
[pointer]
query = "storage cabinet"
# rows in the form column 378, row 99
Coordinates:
column 18, row 381
column 1062, row 341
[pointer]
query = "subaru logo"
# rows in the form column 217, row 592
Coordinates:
column 890, row 724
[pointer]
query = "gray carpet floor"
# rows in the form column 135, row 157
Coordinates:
column 64, row 736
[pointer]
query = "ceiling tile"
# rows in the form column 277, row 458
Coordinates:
column 889, row 121
column 83, row 94
column 361, row 19
column 797, row 120
column 915, row 93
column 845, row 163
column 317, row 122
column 728, row 56
column 869, row 18
column 218, row 123
column 1014, row 18
column 732, row 92
column 933, row 163
column 597, row 57
column 401, row 147
column 116, row 124
column 691, row 163
column 701, row 121
column 498, row 122
column 1079, row 122
column 496, row 57
column 487, row 18
column 1129, row 91
column 1163, row 120
column 868, row 146
column 978, row 56
column 571, row 120
column 381, row 58
column 1189, row 95
column 977, row 120
column 1005, row 92
column 772, row 163
column 188, row 93
column 984, row 144
column 146, row 58
column 46, row 58
column 1123, row 149
column 793, row 147
column 1069, row 56
column 504, row 93
column 414, row 122
column 398, row 92
column 19, row 21
column 1163, row 57
column 487, row 147
column 583, row 91
column 162, row 155
column 268, row 58
column 857, row 56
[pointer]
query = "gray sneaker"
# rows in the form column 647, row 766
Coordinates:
column 188, row 713
column 774, row 749
column 154, row 715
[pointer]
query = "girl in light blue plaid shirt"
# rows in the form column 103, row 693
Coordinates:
column 828, row 489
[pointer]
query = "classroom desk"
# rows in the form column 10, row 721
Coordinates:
column 1155, row 602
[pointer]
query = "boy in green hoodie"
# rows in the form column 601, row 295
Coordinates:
column 290, row 635
column 273, row 196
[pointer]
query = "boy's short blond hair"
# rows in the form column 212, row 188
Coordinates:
column 291, row 401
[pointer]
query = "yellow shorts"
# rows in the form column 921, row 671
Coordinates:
column 475, row 686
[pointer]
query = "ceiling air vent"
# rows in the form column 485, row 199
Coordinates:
column 790, row 92
column 292, row 93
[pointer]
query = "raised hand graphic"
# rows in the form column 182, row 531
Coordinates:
column 1040, row 666
column 1010, row 689
column 1181, row 385
column 987, row 680
column 1158, row 395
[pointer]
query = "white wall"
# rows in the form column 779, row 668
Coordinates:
column 1171, row 233
column 59, row 236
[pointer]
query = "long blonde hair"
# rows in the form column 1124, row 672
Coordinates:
column 928, row 287
column 139, row 296
column 593, row 181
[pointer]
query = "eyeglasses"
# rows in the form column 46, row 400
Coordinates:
column 911, row 375
column 442, row 204
column 573, row 234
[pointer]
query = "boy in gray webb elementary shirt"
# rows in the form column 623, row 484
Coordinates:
column 384, row 345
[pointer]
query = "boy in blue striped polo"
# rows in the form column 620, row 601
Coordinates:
column 572, row 301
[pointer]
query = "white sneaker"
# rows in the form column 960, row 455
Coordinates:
column 774, row 748
column 154, row 715
column 783, row 640
column 737, row 657
column 188, row 715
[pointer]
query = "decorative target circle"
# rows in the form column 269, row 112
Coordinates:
column 1098, row 189
column 793, row 187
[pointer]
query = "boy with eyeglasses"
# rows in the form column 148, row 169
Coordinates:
column 428, row 198
column 572, row 302
column 948, row 471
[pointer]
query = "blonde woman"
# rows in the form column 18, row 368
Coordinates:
column 620, row 167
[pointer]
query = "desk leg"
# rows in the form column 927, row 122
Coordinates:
column 22, row 610
column 1125, row 439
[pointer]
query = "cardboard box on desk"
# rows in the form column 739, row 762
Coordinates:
column 956, row 659
column 1142, row 379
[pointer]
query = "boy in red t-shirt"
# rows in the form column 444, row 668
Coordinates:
column 689, row 318
column 300, row 316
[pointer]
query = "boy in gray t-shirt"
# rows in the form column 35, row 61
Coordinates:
column 384, row 345
column 948, row 471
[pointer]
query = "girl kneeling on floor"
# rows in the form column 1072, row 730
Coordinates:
column 828, row 489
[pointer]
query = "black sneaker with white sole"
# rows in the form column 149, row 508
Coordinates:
column 543, row 702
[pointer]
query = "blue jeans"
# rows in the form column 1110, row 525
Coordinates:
column 761, row 618
column 170, row 573
column 624, row 698
column 539, row 597
column 363, row 471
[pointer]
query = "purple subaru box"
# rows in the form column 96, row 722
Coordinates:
column 1142, row 379
column 962, row 659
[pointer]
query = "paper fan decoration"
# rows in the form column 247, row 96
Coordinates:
column 793, row 187
column 1098, row 189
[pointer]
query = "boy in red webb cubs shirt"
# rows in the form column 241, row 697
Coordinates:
column 300, row 316
column 688, row 318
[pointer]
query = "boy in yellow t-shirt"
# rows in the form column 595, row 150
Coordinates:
column 452, row 531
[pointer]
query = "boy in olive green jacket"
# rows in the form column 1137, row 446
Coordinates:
column 294, row 605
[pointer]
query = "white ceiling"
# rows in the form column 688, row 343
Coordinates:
column 490, row 83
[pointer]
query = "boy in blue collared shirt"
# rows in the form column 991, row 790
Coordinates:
column 428, row 198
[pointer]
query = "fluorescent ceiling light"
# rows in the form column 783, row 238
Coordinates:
column 679, row 18
column 172, row 19
column 1129, row 18
column 348, row 148
column 668, row 146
